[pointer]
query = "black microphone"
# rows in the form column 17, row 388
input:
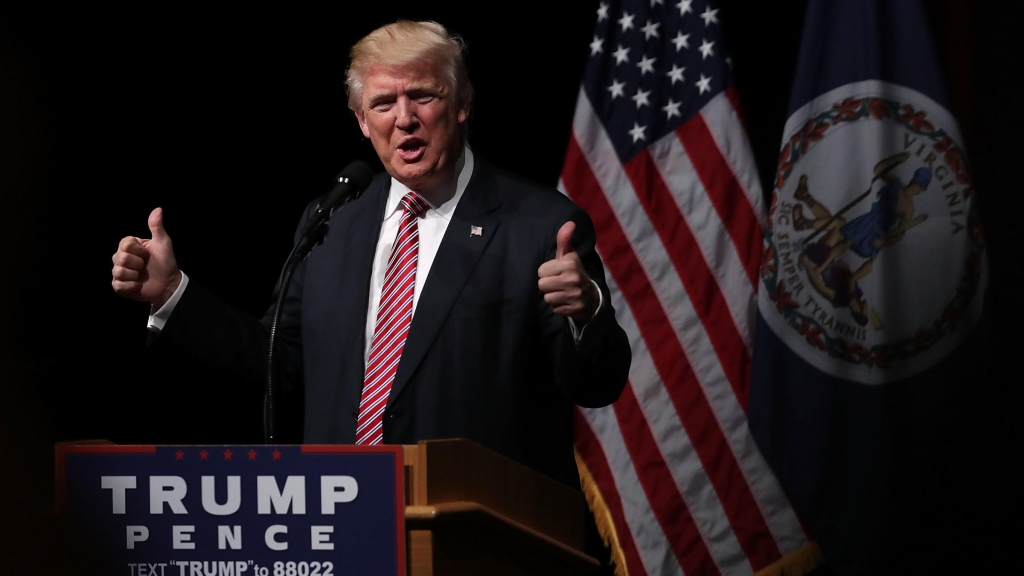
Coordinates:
column 350, row 184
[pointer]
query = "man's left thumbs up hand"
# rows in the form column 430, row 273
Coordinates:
column 564, row 282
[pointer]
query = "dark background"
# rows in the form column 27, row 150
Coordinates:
column 233, row 120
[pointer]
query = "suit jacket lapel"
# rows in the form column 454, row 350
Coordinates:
column 363, row 223
column 454, row 263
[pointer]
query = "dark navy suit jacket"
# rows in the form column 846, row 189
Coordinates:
column 485, row 359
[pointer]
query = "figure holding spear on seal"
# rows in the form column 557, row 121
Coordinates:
column 890, row 216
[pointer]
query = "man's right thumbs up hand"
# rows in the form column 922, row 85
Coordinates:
column 145, row 269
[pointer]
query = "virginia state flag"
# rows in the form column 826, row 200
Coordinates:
column 872, row 279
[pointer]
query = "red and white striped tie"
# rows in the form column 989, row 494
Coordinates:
column 393, row 319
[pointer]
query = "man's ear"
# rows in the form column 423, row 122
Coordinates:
column 464, row 113
column 362, row 123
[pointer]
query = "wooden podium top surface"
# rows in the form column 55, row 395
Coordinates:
column 460, row 471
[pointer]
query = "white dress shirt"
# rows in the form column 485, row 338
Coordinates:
column 432, row 226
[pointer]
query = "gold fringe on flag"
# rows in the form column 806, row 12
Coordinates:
column 796, row 563
column 602, row 516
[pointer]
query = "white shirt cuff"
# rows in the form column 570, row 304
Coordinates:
column 577, row 332
column 159, row 318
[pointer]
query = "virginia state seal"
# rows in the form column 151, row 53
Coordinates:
column 874, row 263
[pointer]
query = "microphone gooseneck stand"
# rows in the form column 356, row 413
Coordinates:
column 299, row 252
column 350, row 184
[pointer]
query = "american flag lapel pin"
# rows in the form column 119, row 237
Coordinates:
column 476, row 231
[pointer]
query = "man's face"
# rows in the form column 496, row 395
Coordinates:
column 413, row 121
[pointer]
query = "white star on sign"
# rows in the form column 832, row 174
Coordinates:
column 710, row 16
column 684, row 7
column 602, row 12
column 626, row 21
column 646, row 65
column 621, row 55
column 704, row 84
column 641, row 98
column 651, row 29
column 681, row 41
column 617, row 89
column 676, row 74
column 672, row 109
column 707, row 49
column 637, row 132
column 595, row 46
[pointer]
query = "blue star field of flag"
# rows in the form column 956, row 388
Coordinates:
column 652, row 67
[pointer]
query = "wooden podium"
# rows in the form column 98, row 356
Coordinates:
column 470, row 511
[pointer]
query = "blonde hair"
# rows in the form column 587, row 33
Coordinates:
column 403, row 43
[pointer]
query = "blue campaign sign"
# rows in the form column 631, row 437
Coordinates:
column 237, row 510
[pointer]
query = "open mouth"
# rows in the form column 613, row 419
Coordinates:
column 411, row 149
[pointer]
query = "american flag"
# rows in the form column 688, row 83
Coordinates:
column 659, row 158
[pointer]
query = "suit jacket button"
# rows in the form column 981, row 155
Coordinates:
column 355, row 414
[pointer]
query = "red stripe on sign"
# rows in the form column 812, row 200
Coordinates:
column 60, row 464
column 725, row 193
column 667, row 503
column 669, row 359
column 589, row 448
column 682, row 248
column 106, row 449
column 331, row 448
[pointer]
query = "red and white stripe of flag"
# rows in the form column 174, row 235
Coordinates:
column 679, row 230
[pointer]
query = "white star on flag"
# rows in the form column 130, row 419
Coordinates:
column 646, row 65
column 651, row 29
column 626, row 21
column 602, row 12
column 707, row 49
column 637, row 132
column 641, row 98
column 672, row 109
column 617, row 89
column 676, row 73
column 710, row 16
column 681, row 41
column 704, row 84
column 621, row 55
column 595, row 46
column 684, row 7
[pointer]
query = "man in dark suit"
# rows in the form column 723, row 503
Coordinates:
column 451, row 299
